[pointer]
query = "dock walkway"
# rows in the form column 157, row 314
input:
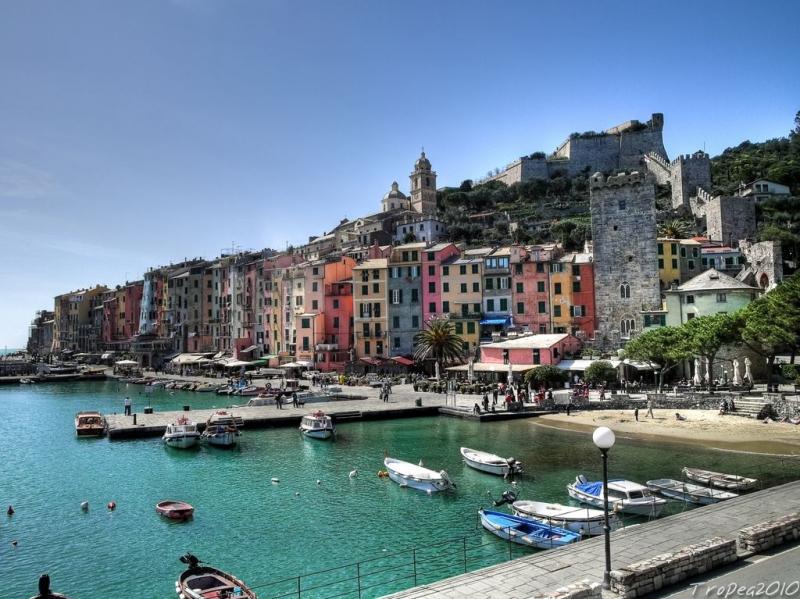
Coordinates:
column 546, row 571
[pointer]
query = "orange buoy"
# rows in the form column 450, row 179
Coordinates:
column 112, row 505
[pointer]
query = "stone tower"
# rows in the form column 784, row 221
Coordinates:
column 394, row 199
column 687, row 174
column 423, row 186
column 623, row 209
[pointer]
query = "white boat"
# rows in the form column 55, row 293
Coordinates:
column 583, row 520
column 407, row 474
column 524, row 531
column 489, row 462
column 317, row 425
column 720, row 480
column 207, row 582
column 181, row 434
column 675, row 489
column 623, row 495
column 222, row 429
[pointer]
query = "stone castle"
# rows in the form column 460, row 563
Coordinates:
column 617, row 148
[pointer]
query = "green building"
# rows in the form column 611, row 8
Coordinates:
column 710, row 292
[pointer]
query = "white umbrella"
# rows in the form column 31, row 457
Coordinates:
column 708, row 371
column 737, row 377
column 437, row 370
column 471, row 370
column 747, row 375
column 510, row 372
column 126, row 363
column 697, row 378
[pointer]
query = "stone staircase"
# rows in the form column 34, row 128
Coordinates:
column 753, row 407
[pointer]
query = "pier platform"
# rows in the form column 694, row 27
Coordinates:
column 544, row 572
column 466, row 413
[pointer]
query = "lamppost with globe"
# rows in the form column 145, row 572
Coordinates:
column 604, row 438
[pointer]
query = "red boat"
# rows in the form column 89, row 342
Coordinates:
column 175, row 510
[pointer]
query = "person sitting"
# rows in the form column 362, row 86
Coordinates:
column 476, row 409
column 679, row 417
column 723, row 407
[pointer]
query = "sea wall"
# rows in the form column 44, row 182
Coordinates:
column 584, row 589
column 647, row 576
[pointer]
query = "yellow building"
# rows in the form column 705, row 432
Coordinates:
column 678, row 261
column 561, row 294
column 370, row 308
column 462, row 294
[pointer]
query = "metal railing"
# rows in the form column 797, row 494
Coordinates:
column 395, row 572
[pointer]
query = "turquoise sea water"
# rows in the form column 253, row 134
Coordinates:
column 259, row 530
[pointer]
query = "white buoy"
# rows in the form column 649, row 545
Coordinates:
column 85, row 506
column 319, row 482
column 297, row 493
column 353, row 473
column 275, row 479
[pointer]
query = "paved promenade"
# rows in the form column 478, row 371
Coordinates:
column 548, row 570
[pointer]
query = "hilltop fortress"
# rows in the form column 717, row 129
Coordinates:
column 619, row 148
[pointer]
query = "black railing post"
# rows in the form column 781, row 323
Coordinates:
column 414, row 561
column 358, row 578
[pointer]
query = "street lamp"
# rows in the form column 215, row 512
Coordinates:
column 604, row 438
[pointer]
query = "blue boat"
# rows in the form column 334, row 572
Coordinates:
column 526, row 532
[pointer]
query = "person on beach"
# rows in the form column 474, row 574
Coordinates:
column 476, row 409
column 127, row 406
column 649, row 409
column 636, row 413
column 485, row 402
column 494, row 396
column 569, row 406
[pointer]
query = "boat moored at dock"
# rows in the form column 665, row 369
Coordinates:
column 524, row 531
column 206, row 582
column 222, row 429
column 90, row 424
column 489, row 462
column 623, row 495
column 417, row 477
column 317, row 425
column 181, row 434
column 720, row 480
column 688, row 492
column 584, row 521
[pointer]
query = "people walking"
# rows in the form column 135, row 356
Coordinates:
column 485, row 402
column 294, row 400
column 127, row 406
column 636, row 413
column 494, row 396
column 649, row 409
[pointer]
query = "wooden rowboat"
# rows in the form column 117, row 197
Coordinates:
column 720, row 480
column 175, row 510
column 206, row 582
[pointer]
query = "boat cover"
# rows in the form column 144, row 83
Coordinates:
column 595, row 488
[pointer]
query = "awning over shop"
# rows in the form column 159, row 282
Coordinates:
column 371, row 361
column 489, row 367
column 403, row 361
column 582, row 365
column 249, row 349
column 496, row 321
column 236, row 364
column 126, row 363
column 183, row 359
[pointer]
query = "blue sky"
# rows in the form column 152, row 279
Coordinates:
column 136, row 133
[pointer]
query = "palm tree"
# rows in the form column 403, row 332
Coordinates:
column 438, row 341
column 674, row 229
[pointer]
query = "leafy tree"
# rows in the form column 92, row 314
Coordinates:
column 409, row 237
column 546, row 375
column 707, row 334
column 600, row 372
column 466, row 185
column 439, row 342
column 662, row 349
column 763, row 330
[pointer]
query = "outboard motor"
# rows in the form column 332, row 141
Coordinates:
column 509, row 496
column 190, row 560
column 44, row 589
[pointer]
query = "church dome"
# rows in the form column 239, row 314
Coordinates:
column 395, row 193
column 422, row 163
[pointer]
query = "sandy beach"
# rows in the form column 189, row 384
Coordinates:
column 704, row 427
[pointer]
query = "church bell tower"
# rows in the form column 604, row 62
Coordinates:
column 423, row 187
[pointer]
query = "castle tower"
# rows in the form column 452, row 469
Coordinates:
column 394, row 199
column 423, row 186
column 623, row 209
column 688, row 173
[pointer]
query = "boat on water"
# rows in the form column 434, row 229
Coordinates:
column 206, row 388
column 417, row 477
column 27, row 380
column 181, row 434
column 688, row 492
column 489, row 462
column 222, row 429
column 90, row 424
column 720, row 480
column 317, row 425
column 44, row 590
column 623, row 495
column 585, row 521
column 175, row 510
column 249, row 391
column 206, row 582
column 524, row 531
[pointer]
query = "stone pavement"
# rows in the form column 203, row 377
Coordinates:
column 546, row 571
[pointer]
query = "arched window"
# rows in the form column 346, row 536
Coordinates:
column 625, row 290
column 626, row 327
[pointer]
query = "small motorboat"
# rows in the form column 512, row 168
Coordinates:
column 720, row 480
column 417, row 477
column 90, row 424
column 676, row 489
column 623, row 495
column 175, row 510
column 317, row 425
column 181, row 434
column 205, row 388
column 206, row 582
column 27, row 381
column 222, row 429
column 249, row 391
column 526, row 532
column 584, row 521
column 489, row 462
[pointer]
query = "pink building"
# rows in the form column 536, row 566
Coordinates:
column 132, row 304
column 529, row 351
column 432, row 259
column 530, row 287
